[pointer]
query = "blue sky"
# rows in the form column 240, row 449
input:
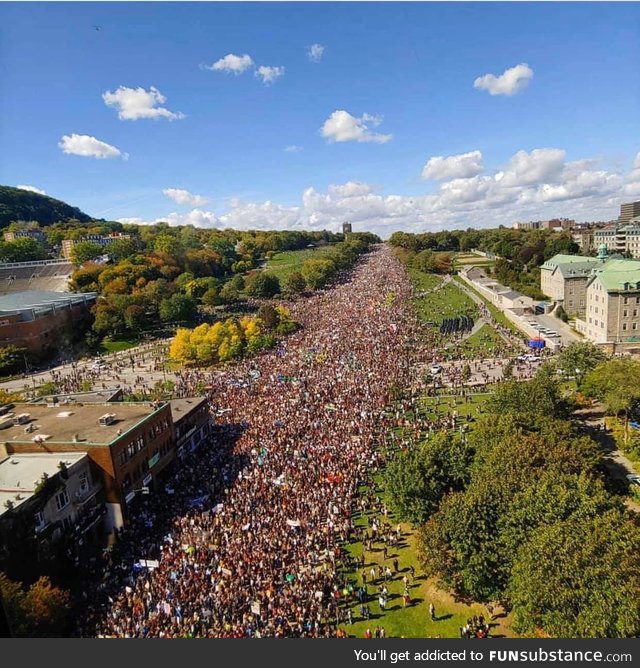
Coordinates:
column 555, row 132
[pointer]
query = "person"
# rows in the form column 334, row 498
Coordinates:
column 368, row 634
column 432, row 612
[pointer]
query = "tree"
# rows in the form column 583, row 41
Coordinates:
column 211, row 297
column 579, row 578
column 295, row 283
column 417, row 479
column 317, row 273
column 22, row 249
column 229, row 294
column 85, row 251
column 177, row 308
column 41, row 611
column 120, row 249
column 263, row 284
column 268, row 316
column 579, row 358
column 11, row 359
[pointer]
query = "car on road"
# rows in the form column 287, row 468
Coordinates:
column 633, row 479
column 552, row 334
column 528, row 358
column 435, row 369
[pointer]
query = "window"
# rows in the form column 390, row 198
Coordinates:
column 67, row 522
column 625, row 313
column 626, row 300
column 635, row 312
column 131, row 449
column 84, row 481
column 122, row 457
column 126, row 483
column 582, row 302
column 634, row 325
column 624, row 326
column 38, row 520
column 589, row 320
column 62, row 499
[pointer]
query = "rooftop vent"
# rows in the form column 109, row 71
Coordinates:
column 107, row 419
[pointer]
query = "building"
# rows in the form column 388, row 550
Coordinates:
column 584, row 239
column 36, row 233
column 628, row 211
column 44, row 322
column 132, row 444
column 192, row 423
column 563, row 278
column 558, row 224
column 347, row 228
column 619, row 238
column 45, row 498
column 613, row 303
column 99, row 239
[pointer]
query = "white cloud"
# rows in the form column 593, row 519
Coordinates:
column 350, row 189
column 32, row 189
column 342, row 126
column 510, row 82
column 269, row 74
column 458, row 166
column 541, row 165
column 315, row 52
column 533, row 186
column 292, row 148
column 232, row 64
column 184, row 197
column 135, row 103
column 89, row 147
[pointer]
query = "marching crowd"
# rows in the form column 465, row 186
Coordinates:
column 249, row 540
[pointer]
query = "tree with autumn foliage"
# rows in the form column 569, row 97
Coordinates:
column 41, row 611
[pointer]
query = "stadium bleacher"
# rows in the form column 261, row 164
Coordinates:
column 49, row 275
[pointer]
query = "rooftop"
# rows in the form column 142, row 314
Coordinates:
column 28, row 299
column 560, row 259
column 21, row 474
column 182, row 407
column 60, row 424
column 619, row 275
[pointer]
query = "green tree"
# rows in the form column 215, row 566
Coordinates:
column 579, row 358
column 417, row 479
column 11, row 359
column 579, row 578
column 177, row 308
column 23, row 249
column 85, row 251
column 211, row 297
column 295, row 283
column 317, row 273
column 263, row 284
column 120, row 249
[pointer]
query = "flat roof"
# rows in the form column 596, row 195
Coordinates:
column 19, row 301
column 62, row 423
column 182, row 407
column 20, row 474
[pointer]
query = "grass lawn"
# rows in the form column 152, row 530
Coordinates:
column 448, row 302
column 423, row 281
column 285, row 263
column 118, row 344
column 431, row 407
column 486, row 342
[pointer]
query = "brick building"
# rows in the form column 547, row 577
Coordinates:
column 41, row 321
column 132, row 444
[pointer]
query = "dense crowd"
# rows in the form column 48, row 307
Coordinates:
column 249, row 537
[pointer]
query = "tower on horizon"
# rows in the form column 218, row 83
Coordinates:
column 346, row 228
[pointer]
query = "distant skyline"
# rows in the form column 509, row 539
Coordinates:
column 391, row 116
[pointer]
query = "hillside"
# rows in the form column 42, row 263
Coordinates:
column 16, row 204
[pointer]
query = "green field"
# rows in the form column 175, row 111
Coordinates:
column 117, row 345
column 432, row 407
column 468, row 259
column 486, row 342
column 448, row 302
column 285, row 263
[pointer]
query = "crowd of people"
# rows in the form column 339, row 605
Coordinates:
column 249, row 539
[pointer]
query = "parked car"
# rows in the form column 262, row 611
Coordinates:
column 435, row 369
column 634, row 479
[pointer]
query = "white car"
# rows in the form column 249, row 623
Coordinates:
column 552, row 334
column 633, row 479
column 435, row 368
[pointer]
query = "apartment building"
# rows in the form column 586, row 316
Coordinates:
column 628, row 212
column 99, row 239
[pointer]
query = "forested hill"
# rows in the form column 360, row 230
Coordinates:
column 17, row 204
